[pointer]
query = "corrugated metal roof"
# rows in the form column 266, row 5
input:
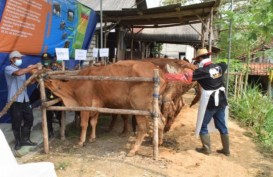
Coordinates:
column 260, row 69
column 109, row 4
column 163, row 15
column 177, row 34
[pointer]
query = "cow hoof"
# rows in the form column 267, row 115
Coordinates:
column 91, row 140
column 160, row 142
column 77, row 146
column 124, row 134
column 131, row 154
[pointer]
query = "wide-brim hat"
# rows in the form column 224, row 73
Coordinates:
column 15, row 54
column 201, row 52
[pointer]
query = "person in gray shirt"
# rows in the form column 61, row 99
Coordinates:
column 20, row 111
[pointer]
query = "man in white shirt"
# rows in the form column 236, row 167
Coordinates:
column 20, row 111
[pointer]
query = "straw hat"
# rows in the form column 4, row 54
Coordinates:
column 202, row 52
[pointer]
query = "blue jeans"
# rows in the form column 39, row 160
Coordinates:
column 218, row 115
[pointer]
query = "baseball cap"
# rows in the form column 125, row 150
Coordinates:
column 14, row 54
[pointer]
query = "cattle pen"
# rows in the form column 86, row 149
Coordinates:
column 47, row 105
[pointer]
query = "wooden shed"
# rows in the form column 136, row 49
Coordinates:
column 134, row 24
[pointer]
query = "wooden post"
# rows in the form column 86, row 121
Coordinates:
column 62, row 129
column 43, row 110
column 210, row 30
column 132, row 43
column 155, row 113
column 241, row 83
column 63, row 65
column 203, row 30
column 269, row 89
column 236, row 85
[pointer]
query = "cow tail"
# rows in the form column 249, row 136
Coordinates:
column 197, row 94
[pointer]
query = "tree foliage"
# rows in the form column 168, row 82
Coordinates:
column 251, row 23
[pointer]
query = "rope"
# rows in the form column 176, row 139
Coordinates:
column 8, row 105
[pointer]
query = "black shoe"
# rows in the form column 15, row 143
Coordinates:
column 17, row 146
column 28, row 143
column 25, row 141
column 17, row 137
column 50, row 134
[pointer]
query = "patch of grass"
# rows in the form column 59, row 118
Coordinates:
column 62, row 165
column 255, row 111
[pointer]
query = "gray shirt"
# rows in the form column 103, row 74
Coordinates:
column 14, row 83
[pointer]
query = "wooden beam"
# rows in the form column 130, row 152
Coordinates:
column 132, row 43
column 195, row 30
column 200, row 12
column 105, row 78
column 202, row 21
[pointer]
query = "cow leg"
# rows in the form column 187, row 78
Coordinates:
column 161, row 123
column 125, row 125
column 84, row 125
column 93, row 123
column 134, row 124
column 142, row 130
column 113, row 122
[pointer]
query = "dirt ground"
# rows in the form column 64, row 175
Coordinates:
column 106, row 157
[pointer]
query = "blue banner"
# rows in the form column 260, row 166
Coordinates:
column 42, row 26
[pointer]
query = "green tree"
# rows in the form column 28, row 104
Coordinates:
column 252, row 28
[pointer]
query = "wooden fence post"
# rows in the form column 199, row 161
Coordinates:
column 155, row 113
column 62, row 129
column 43, row 110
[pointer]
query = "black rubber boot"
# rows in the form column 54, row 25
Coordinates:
column 205, row 139
column 17, row 139
column 25, row 141
column 225, row 143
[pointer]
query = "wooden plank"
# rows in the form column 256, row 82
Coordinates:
column 51, row 102
column 103, row 110
column 102, row 78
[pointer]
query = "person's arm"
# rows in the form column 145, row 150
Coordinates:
column 25, row 70
column 199, row 74
column 223, row 66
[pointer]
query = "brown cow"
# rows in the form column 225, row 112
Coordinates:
column 111, row 94
column 172, row 101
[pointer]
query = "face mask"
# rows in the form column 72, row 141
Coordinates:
column 18, row 62
column 59, row 61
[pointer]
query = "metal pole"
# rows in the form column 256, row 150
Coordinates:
column 229, row 48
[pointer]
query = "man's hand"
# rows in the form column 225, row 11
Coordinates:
column 33, row 66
